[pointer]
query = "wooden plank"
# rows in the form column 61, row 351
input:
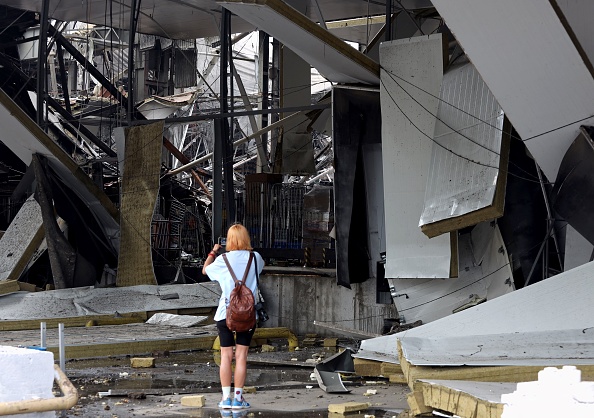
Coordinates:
column 29, row 287
column 9, row 286
column 80, row 351
column 79, row 321
column 485, row 374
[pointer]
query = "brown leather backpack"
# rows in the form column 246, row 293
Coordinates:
column 241, row 313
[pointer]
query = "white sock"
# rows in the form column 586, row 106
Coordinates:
column 226, row 392
column 238, row 393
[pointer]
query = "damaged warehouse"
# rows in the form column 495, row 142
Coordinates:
column 416, row 175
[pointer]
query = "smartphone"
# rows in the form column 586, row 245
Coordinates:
column 222, row 241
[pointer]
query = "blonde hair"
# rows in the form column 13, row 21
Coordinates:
column 238, row 238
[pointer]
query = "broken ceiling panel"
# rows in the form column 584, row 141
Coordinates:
column 21, row 239
column 509, row 42
column 168, row 18
column 156, row 107
column 25, row 138
column 572, row 194
column 411, row 68
column 547, row 323
column 80, row 301
column 430, row 299
column 332, row 57
column 466, row 180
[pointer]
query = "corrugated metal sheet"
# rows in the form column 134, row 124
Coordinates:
column 469, row 124
column 185, row 68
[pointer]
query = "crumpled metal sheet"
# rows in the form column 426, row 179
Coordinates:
column 328, row 372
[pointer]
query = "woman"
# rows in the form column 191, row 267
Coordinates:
column 238, row 252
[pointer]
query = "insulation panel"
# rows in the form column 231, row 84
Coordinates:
column 469, row 149
column 140, row 188
column 532, row 66
column 411, row 68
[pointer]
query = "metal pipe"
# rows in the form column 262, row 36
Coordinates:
column 320, row 15
column 265, row 62
column 388, row 24
column 43, row 327
column 131, row 34
column 41, row 62
column 61, row 347
column 542, row 246
column 43, row 405
column 319, row 176
column 550, row 217
column 213, row 116
column 63, row 79
column 227, row 106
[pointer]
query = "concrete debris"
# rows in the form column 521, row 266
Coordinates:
column 96, row 301
column 142, row 363
column 20, row 240
column 195, row 401
column 343, row 408
column 184, row 321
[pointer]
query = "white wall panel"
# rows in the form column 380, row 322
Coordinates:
column 407, row 129
column 429, row 299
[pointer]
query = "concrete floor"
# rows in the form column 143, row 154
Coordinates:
column 281, row 380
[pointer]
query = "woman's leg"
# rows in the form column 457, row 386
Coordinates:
column 225, row 369
column 241, row 352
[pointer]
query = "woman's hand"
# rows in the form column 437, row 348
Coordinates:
column 211, row 257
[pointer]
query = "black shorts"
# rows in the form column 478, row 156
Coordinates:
column 227, row 339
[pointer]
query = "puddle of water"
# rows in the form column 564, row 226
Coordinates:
column 204, row 413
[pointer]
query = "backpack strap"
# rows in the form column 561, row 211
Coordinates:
column 247, row 269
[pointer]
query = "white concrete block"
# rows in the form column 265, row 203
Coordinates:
column 26, row 374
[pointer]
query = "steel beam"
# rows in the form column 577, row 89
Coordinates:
column 60, row 39
column 41, row 63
